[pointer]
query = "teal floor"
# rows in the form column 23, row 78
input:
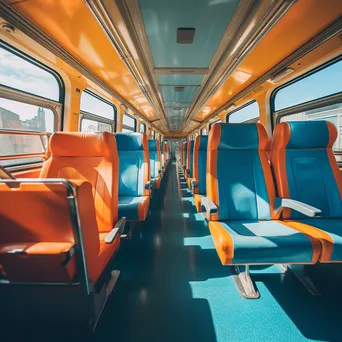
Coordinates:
column 173, row 287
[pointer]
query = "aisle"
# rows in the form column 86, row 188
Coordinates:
column 173, row 287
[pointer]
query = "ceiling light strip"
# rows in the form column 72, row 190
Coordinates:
column 100, row 14
column 15, row 18
column 237, row 53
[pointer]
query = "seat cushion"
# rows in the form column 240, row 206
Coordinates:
column 329, row 234
column 262, row 242
column 38, row 261
column 134, row 208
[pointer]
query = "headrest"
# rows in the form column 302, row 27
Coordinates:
column 153, row 145
column 304, row 135
column 76, row 144
column 238, row 136
column 201, row 143
column 131, row 141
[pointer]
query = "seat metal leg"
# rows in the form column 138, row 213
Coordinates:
column 301, row 274
column 244, row 282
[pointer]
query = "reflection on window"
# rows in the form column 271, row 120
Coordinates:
column 249, row 113
column 320, row 84
column 27, row 117
column 20, row 74
column 88, row 125
column 94, row 105
column 332, row 113
column 128, row 124
column 142, row 127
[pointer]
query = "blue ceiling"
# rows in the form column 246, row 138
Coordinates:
column 162, row 18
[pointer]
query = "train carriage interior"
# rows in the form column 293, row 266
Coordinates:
column 170, row 170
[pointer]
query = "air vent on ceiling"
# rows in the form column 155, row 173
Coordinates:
column 179, row 89
column 185, row 35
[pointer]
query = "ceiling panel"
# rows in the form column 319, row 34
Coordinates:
column 180, row 79
column 169, row 94
column 162, row 18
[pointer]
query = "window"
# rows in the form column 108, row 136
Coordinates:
column 247, row 113
column 30, row 103
column 214, row 122
column 318, row 84
column 97, row 114
column 313, row 97
column 153, row 135
column 142, row 127
column 129, row 123
column 27, row 76
column 204, row 131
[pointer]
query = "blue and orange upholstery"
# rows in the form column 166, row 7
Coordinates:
column 37, row 242
column 189, row 162
column 199, row 169
column 134, row 175
column 162, row 158
column 167, row 154
column 185, row 156
column 155, row 163
column 306, row 170
column 245, row 228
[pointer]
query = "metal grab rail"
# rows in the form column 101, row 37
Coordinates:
column 42, row 154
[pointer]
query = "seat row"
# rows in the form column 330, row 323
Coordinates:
column 64, row 227
column 285, row 209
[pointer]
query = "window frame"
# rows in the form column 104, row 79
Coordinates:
column 305, row 106
column 90, row 116
column 144, row 125
column 17, row 95
column 241, row 107
column 206, row 131
column 128, row 127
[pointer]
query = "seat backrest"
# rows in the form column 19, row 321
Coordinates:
column 134, row 164
column 166, row 151
column 189, row 159
column 305, row 167
column 91, row 157
column 155, row 158
column 185, row 153
column 239, row 179
column 200, row 163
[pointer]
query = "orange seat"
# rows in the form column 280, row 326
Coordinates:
column 37, row 240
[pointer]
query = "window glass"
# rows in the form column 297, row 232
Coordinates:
column 211, row 125
column 320, row 84
column 249, row 113
column 18, row 73
column 203, row 131
column 128, row 123
column 88, row 125
column 22, row 116
column 94, row 105
column 142, row 127
column 153, row 133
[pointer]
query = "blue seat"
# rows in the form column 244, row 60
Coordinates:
column 155, row 163
column 241, row 203
column 305, row 169
column 134, row 175
column 199, row 170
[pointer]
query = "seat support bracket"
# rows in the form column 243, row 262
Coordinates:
column 244, row 282
column 300, row 273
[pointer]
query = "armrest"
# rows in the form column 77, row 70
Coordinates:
column 194, row 184
column 160, row 171
column 118, row 229
column 210, row 206
column 188, row 171
column 148, row 185
column 281, row 203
